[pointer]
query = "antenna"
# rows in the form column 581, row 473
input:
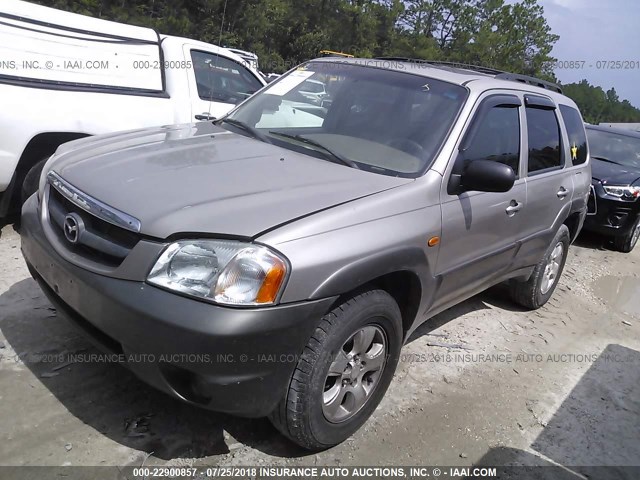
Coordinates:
column 224, row 14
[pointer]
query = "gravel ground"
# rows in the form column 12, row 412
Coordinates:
column 557, row 386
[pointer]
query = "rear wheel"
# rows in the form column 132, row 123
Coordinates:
column 627, row 242
column 343, row 373
column 536, row 291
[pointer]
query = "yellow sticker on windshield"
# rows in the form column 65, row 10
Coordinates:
column 574, row 152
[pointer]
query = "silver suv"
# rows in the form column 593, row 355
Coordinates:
column 273, row 262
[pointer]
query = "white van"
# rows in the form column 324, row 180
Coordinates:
column 65, row 76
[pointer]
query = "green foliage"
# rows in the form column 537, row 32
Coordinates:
column 284, row 32
column 514, row 37
column 599, row 106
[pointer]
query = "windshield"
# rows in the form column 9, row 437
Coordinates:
column 615, row 147
column 377, row 120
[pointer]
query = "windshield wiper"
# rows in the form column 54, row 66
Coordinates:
column 326, row 150
column 254, row 132
column 604, row 159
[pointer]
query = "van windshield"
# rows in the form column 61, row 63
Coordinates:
column 379, row 120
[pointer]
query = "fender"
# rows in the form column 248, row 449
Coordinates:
column 397, row 265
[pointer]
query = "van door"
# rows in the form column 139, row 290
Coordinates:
column 480, row 230
column 217, row 82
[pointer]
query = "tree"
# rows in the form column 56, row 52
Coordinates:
column 514, row 37
column 599, row 106
column 287, row 31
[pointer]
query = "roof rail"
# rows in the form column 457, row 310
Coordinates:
column 516, row 77
column 499, row 74
column 441, row 63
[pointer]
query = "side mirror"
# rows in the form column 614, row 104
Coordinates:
column 483, row 176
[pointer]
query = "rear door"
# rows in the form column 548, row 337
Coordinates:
column 480, row 230
column 549, row 177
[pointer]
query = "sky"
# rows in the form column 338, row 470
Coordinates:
column 597, row 31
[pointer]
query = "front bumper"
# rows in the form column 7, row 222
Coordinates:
column 609, row 215
column 233, row 360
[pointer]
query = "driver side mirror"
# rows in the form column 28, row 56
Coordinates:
column 483, row 176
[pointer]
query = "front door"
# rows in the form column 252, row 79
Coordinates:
column 219, row 83
column 480, row 230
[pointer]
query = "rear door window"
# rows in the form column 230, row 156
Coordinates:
column 545, row 152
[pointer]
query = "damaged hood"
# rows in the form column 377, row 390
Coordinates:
column 200, row 178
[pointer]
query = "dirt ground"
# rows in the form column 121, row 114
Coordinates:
column 559, row 386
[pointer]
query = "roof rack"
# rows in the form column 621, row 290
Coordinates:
column 516, row 77
column 440, row 63
column 499, row 74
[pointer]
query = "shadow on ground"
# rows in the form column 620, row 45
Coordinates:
column 112, row 400
column 594, row 241
column 115, row 403
column 594, row 434
column 496, row 297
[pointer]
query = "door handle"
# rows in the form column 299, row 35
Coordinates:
column 562, row 193
column 513, row 208
column 205, row 116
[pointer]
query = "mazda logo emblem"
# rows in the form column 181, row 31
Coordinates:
column 73, row 227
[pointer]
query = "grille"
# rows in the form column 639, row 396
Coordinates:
column 100, row 241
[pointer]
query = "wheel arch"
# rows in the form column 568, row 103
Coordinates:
column 404, row 274
column 39, row 147
column 574, row 223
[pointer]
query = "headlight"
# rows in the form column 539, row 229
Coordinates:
column 625, row 192
column 226, row 272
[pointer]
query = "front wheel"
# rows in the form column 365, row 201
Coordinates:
column 537, row 291
column 627, row 242
column 343, row 373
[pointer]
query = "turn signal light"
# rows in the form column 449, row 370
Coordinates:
column 433, row 241
column 271, row 284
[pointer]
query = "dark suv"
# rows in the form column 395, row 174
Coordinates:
column 614, row 204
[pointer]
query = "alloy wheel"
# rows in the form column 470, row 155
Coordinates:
column 550, row 275
column 354, row 373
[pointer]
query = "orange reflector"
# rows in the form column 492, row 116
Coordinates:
column 433, row 241
column 271, row 285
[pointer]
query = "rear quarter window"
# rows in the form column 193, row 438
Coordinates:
column 577, row 135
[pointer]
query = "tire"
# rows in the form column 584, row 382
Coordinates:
column 626, row 243
column 305, row 415
column 536, row 291
column 31, row 180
